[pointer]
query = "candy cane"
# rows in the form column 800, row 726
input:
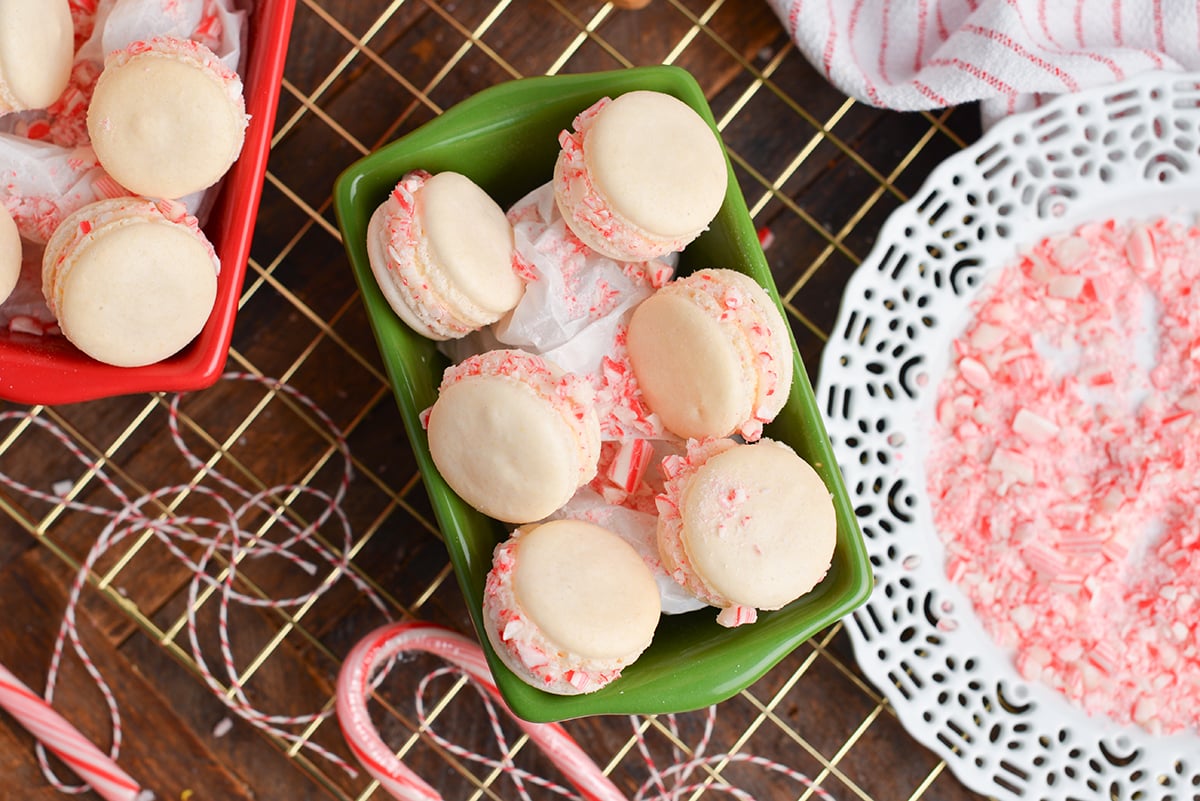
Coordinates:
column 65, row 741
column 356, row 680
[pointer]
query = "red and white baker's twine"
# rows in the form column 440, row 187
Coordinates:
column 225, row 536
column 365, row 668
column 361, row 671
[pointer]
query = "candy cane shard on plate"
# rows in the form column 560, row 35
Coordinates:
column 53, row 731
column 1062, row 467
column 354, row 685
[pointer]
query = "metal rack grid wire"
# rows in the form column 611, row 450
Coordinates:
column 820, row 173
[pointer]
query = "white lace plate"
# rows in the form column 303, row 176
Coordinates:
column 1128, row 151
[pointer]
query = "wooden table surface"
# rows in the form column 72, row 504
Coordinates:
column 820, row 174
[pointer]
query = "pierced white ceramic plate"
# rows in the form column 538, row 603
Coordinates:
column 1130, row 151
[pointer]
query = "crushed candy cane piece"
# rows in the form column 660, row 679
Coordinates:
column 1064, row 468
column 628, row 467
column 1033, row 427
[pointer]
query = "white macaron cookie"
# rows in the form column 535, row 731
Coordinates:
column 130, row 281
column 37, row 50
column 745, row 527
column 568, row 605
column 11, row 252
column 441, row 251
column 640, row 176
column 712, row 355
column 513, row 434
column 167, row 118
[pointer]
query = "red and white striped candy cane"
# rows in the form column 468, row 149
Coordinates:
column 376, row 649
column 64, row 741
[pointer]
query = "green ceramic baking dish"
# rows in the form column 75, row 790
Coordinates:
column 505, row 138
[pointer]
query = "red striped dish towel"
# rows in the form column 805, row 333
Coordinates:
column 1010, row 54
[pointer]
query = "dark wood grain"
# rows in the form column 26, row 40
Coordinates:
column 160, row 750
column 301, row 320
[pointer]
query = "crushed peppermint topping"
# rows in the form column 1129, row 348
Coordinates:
column 678, row 472
column 1064, row 468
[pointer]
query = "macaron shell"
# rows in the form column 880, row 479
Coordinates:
column 657, row 163
column 377, row 243
column 163, row 127
column 780, row 339
column 568, row 196
column 587, row 590
column 759, row 525
column 10, row 254
column 37, row 49
column 503, row 449
column 137, row 294
column 687, row 368
column 471, row 241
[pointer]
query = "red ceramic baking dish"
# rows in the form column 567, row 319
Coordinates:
column 49, row 370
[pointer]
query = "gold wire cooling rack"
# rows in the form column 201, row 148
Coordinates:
column 192, row 662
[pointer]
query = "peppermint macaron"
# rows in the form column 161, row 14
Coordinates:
column 10, row 253
column 744, row 527
column 130, row 281
column 441, row 251
column 568, row 605
column 712, row 355
column 513, row 434
column 37, row 49
column 167, row 117
column 639, row 176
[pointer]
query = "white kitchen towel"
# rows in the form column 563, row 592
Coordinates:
column 1010, row 54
